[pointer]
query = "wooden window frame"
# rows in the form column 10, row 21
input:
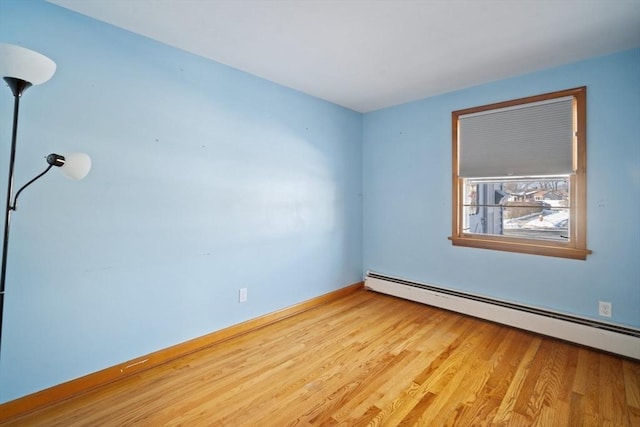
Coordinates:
column 576, row 247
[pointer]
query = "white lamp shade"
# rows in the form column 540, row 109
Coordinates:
column 25, row 64
column 76, row 165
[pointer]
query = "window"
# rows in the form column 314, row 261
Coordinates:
column 519, row 175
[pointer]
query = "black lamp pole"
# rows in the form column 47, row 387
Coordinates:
column 17, row 86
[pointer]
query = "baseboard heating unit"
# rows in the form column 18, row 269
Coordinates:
column 609, row 337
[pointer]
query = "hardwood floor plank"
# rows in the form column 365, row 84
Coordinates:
column 613, row 409
column 503, row 365
column 591, row 398
column 548, row 385
column 369, row 360
column 561, row 413
column 581, row 375
column 416, row 415
column 506, row 412
column 529, row 402
column 576, row 410
column 569, row 373
column 634, row 416
column 473, row 374
column 631, row 375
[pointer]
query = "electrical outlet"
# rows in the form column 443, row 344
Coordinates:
column 242, row 295
column 604, row 308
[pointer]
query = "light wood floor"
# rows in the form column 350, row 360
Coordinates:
column 370, row 359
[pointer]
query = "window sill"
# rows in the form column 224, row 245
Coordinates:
column 522, row 246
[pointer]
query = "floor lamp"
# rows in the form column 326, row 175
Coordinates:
column 21, row 68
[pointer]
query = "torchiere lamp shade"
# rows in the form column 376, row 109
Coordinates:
column 25, row 64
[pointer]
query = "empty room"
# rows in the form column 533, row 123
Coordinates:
column 320, row 212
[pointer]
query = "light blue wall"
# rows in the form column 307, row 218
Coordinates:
column 407, row 196
column 205, row 180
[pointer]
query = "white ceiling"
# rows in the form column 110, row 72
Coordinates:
column 371, row 54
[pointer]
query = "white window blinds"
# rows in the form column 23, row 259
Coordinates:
column 524, row 140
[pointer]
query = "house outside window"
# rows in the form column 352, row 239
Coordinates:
column 519, row 175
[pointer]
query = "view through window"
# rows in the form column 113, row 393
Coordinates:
column 533, row 209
